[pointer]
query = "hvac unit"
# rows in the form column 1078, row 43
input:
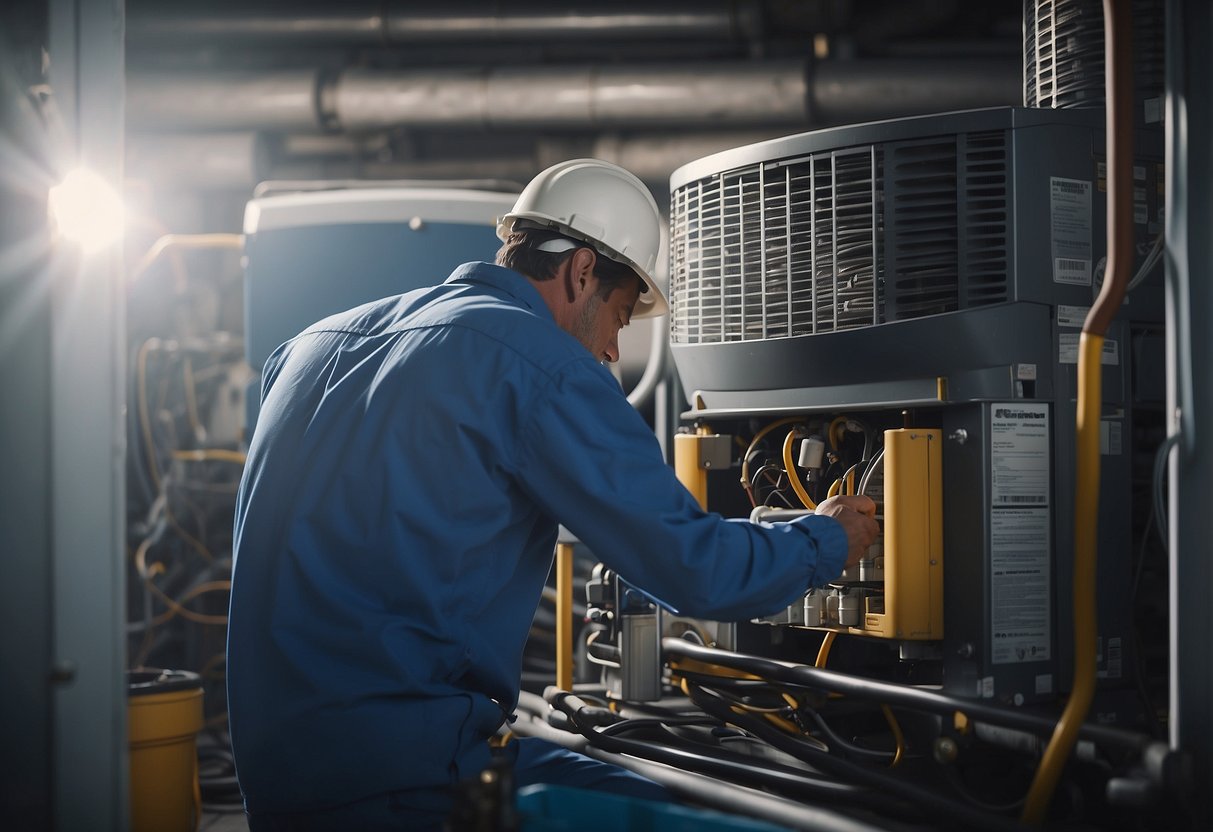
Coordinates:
column 929, row 277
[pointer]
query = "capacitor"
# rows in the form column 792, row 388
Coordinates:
column 832, row 606
column 812, row 451
column 814, row 609
column 848, row 610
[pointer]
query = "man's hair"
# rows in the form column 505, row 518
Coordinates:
column 520, row 252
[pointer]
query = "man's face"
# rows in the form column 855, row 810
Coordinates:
column 599, row 320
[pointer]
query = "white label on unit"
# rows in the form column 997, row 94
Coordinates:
column 1070, row 216
column 1019, row 585
column 1109, row 437
column 1044, row 683
column 985, row 687
column 1067, row 349
column 1019, row 454
column 1025, row 372
column 1072, row 316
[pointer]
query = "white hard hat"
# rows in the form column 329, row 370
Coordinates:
column 604, row 206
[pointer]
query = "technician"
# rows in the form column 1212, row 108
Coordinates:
column 398, row 514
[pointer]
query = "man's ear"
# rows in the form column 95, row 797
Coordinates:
column 581, row 269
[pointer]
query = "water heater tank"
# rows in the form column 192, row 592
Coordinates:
column 313, row 254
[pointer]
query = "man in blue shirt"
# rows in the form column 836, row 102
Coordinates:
column 399, row 509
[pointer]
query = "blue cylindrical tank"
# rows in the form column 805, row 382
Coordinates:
column 310, row 255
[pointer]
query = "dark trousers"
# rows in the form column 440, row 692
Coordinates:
column 534, row 761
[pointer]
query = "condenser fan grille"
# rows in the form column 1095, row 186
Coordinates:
column 777, row 249
column 841, row 239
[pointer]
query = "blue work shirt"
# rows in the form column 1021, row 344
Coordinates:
column 396, row 523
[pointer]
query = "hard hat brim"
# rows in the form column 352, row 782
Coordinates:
column 650, row 304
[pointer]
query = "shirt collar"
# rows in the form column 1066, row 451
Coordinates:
column 505, row 280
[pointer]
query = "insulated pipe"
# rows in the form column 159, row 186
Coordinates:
column 872, row 690
column 1118, row 73
column 740, row 92
column 698, row 96
column 846, row 92
column 224, row 101
column 371, row 23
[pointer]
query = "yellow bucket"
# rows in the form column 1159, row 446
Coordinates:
column 164, row 715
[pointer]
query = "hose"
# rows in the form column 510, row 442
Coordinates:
column 931, row 701
column 654, row 367
column 789, row 465
column 1119, row 96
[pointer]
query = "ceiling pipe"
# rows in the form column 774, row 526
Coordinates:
column 223, row 101
column 398, row 22
column 239, row 160
column 704, row 96
column 739, row 92
column 849, row 92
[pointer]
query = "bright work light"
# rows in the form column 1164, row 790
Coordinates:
column 87, row 210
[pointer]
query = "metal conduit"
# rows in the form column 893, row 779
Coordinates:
column 398, row 21
column 696, row 96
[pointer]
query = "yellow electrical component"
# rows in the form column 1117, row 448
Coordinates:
column 697, row 453
column 913, row 538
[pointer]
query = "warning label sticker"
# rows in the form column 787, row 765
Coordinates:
column 1019, row 585
column 1070, row 224
column 1019, row 451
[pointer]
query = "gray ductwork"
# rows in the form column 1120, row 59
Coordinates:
column 847, row 92
column 374, row 23
column 224, row 101
column 238, row 161
column 584, row 97
column 705, row 96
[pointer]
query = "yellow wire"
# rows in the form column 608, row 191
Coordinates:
column 745, row 458
column 835, row 487
column 176, row 241
column 794, row 475
column 783, row 724
column 898, row 737
column 708, row 669
column 824, row 653
column 1086, row 513
column 210, row 455
column 177, row 609
column 838, row 421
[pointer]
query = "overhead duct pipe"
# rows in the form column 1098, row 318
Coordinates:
column 741, row 92
column 371, row 23
column 696, row 96
column 848, row 92
column 224, row 101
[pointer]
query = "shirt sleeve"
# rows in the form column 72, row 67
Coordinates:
column 593, row 463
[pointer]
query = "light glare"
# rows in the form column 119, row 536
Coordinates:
column 87, row 210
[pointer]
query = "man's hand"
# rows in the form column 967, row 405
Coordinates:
column 857, row 515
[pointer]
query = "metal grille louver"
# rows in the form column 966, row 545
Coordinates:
column 777, row 249
column 923, row 233
column 1064, row 55
column 985, row 261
